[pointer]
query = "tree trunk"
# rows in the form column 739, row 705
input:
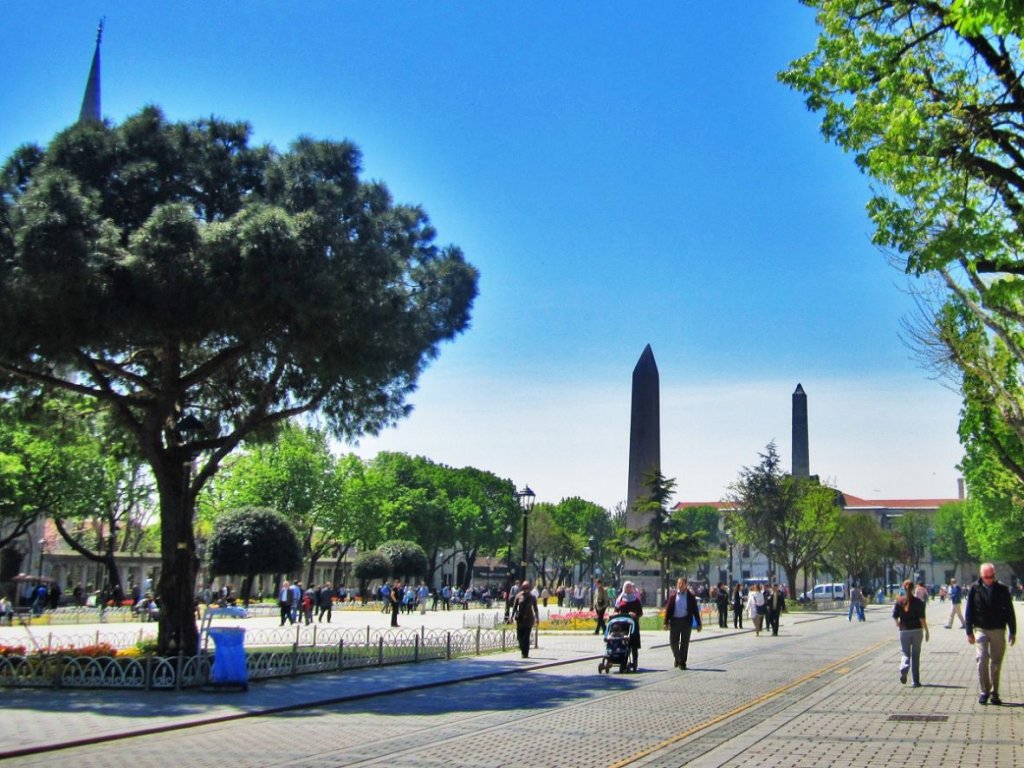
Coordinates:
column 178, row 631
column 113, row 575
column 470, row 562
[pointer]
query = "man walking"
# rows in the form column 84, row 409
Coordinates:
column 856, row 604
column 774, row 605
column 525, row 614
column 284, row 603
column 324, row 602
column 682, row 615
column 989, row 614
column 955, row 599
column 396, row 595
column 600, row 605
column 722, row 601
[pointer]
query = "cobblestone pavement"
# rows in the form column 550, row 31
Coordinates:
column 823, row 693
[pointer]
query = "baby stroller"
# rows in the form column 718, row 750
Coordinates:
column 617, row 637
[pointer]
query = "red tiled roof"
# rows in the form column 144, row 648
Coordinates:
column 856, row 501
column 850, row 502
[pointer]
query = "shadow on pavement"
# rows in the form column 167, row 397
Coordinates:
column 497, row 694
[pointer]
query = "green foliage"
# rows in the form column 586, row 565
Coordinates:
column 406, row 558
column 371, row 565
column 793, row 520
column 665, row 539
column 165, row 269
column 273, row 545
column 296, row 474
column 465, row 510
column 914, row 533
column 973, row 17
column 859, row 546
column 926, row 96
column 949, row 541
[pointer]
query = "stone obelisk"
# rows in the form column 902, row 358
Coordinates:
column 801, row 452
column 644, row 457
column 644, row 426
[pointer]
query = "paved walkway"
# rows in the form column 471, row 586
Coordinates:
column 823, row 693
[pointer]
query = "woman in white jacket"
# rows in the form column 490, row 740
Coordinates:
column 755, row 607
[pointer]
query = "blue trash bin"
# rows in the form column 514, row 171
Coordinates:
column 229, row 664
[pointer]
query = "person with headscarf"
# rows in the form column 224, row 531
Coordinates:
column 629, row 603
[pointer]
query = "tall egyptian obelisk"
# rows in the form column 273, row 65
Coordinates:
column 644, row 457
column 644, row 426
column 801, row 451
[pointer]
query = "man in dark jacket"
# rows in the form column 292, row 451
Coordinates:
column 774, row 605
column 682, row 615
column 526, row 615
column 989, row 614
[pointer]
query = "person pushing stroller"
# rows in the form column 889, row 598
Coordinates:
column 628, row 604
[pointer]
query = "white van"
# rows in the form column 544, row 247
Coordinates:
column 825, row 592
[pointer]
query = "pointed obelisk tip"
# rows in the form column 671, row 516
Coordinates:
column 799, row 390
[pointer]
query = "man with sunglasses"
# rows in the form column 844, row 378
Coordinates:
column 989, row 614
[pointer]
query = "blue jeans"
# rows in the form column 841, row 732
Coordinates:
column 859, row 608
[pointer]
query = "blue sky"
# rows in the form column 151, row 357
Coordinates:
column 619, row 177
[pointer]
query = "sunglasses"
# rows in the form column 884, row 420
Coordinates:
column 988, row 578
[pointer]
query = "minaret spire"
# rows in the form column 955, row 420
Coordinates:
column 91, row 101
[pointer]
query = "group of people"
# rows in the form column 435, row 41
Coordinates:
column 298, row 604
column 988, row 619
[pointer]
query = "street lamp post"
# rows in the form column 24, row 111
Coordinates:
column 526, row 498
column 729, row 544
column 247, row 549
column 510, row 577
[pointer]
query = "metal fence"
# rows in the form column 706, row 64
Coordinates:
column 285, row 653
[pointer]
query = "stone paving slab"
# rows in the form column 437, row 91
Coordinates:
column 822, row 693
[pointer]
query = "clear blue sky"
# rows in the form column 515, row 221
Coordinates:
column 619, row 176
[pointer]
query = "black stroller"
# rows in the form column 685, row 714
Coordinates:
column 618, row 635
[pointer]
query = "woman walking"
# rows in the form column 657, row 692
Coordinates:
column 908, row 612
column 755, row 605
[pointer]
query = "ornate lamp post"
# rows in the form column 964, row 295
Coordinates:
column 526, row 498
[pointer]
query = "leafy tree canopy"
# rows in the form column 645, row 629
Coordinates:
column 791, row 519
column 929, row 97
column 273, row 546
column 406, row 558
column 203, row 290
